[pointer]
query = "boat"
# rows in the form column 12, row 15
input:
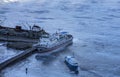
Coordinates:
column 54, row 42
column 72, row 64
column 18, row 34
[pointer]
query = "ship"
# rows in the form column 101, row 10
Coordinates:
column 54, row 42
column 18, row 34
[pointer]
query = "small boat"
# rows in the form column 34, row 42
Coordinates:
column 72, row 64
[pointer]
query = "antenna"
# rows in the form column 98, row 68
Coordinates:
column 29, row 26
column 73, row 54
column 24, row 25
column 59, row 29
column 2, row 21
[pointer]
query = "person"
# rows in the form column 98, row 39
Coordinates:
column 26, row 70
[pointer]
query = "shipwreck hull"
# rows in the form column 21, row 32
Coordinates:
column 21, row 35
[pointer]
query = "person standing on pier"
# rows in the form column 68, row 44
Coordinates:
column 26, row 70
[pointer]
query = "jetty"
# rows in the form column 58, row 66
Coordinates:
column 17, row 58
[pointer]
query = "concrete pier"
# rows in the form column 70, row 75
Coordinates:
column 17, row 57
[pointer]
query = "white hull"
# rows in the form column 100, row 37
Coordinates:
column 57, row 48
